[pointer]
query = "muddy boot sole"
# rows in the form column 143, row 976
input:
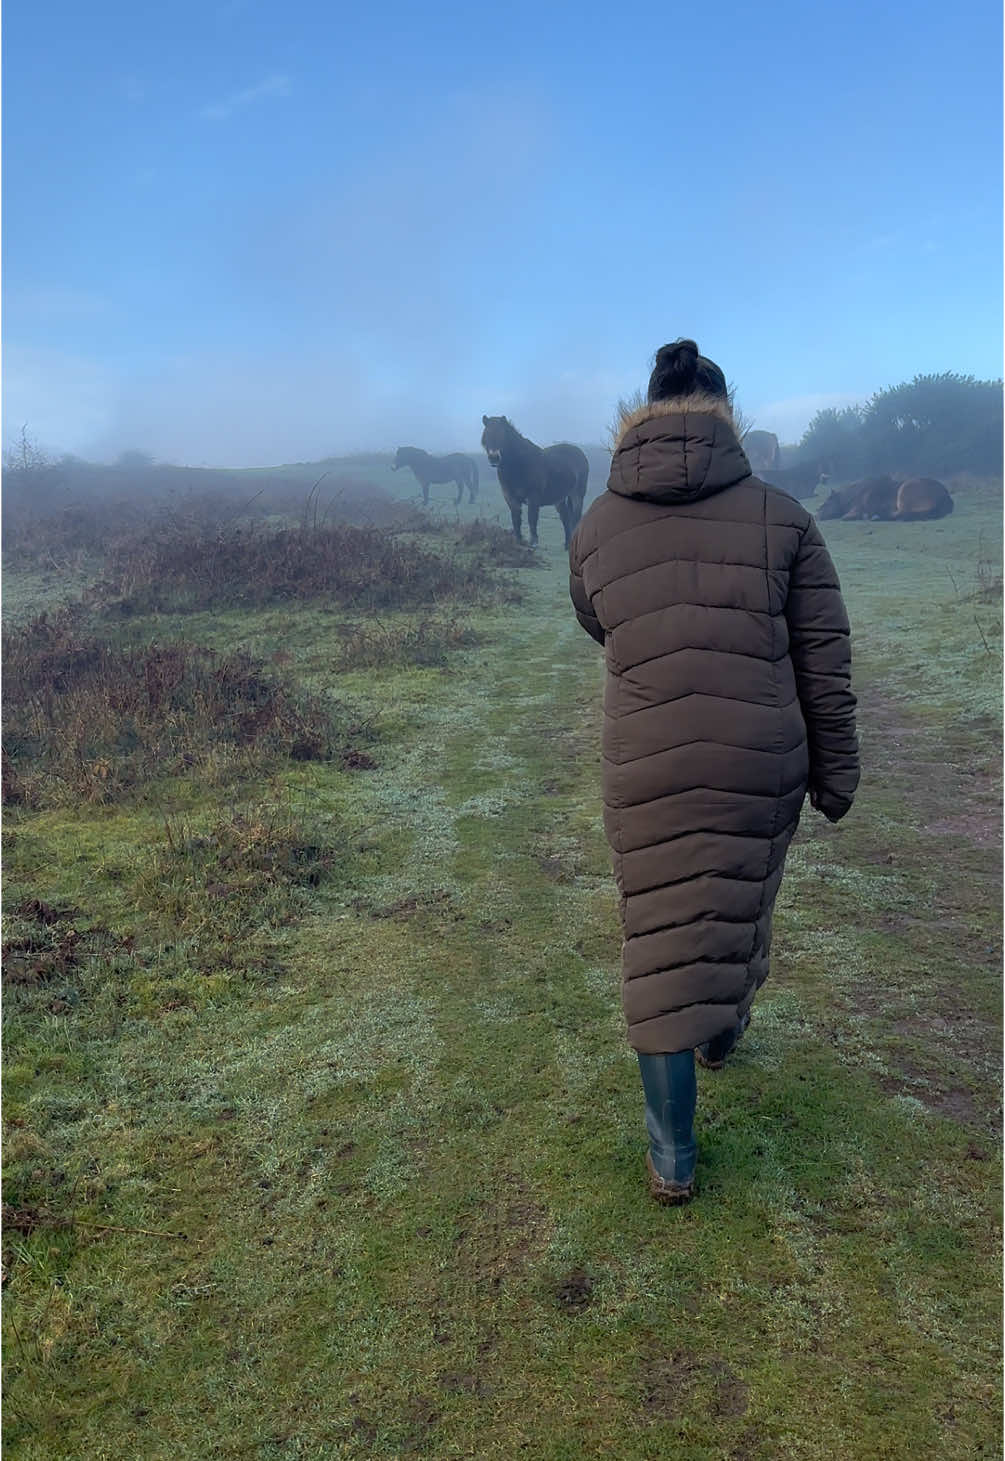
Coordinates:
column 670, row 1194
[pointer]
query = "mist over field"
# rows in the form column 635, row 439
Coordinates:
column 251, row 261
column 322, row 1133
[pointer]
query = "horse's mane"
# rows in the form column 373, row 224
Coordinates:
column 517, row 437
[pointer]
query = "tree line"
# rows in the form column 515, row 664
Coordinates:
column 934, row 425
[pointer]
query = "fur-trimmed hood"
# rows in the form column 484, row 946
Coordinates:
column 678, row 450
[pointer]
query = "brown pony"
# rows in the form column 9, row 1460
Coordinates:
column 881, row 499
column 872, row 497
column 922, row 498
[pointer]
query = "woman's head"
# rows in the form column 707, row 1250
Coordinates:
column 679, row 370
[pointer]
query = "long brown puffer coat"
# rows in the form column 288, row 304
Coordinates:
column 728, row 694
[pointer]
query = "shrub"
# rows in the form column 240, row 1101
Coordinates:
column 87, row 720
column 68, row 511
column 929, row 426
column 497, row 545
column 359, row 567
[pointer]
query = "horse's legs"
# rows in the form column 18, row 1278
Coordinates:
column 425, row 493
column 459, row 484
column 516, row 513
column 532, row 512
column 562, row 508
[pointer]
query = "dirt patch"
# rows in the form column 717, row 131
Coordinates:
column 410, row 1426
column 437, row 900
column 747, row 1448
column 34, row 910
column 575, row 1292
column 959, row 1106
column 554, row 869
column 495, row 925
column 420, row 1418
column 732, row 1395
column 501, row 1237
column 50, row 946
column 953, row 1103
column 353, row 760
column 921, row 1025
column 981, row 826
column 363, row 1430
column 671, row 1380
column 915, row 751
column 938, row 841
column 455, row 1382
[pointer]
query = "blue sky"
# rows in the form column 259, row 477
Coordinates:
column 248, row 233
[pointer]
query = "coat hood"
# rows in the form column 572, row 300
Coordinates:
column 678, row 450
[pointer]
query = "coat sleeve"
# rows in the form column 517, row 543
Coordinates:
column 820, row 648
column 580, row 598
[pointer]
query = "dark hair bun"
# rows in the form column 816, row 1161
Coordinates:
column 680, row 350
column 680, row 369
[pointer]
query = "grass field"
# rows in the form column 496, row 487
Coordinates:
column 322, row 1137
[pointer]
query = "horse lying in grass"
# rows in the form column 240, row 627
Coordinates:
column 455, row 468
column 550, row 476
column 869, row 497
column 883, row 499
column 920, row 499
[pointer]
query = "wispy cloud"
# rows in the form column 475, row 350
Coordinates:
column 219, row 111
column 790, row 417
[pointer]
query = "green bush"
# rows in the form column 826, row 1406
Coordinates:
column 934, row 425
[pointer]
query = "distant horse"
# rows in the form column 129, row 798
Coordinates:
column 761, row 448
column 455, row 468
column 538, row 476
column 802, row 480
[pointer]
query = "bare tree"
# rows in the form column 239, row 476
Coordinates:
column 27, row 457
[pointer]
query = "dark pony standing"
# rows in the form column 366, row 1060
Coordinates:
column 550, row 476
column 455, row 468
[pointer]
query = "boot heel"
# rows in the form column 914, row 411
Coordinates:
column 670, row 1194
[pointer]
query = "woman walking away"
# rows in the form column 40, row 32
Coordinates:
column 728, row 696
